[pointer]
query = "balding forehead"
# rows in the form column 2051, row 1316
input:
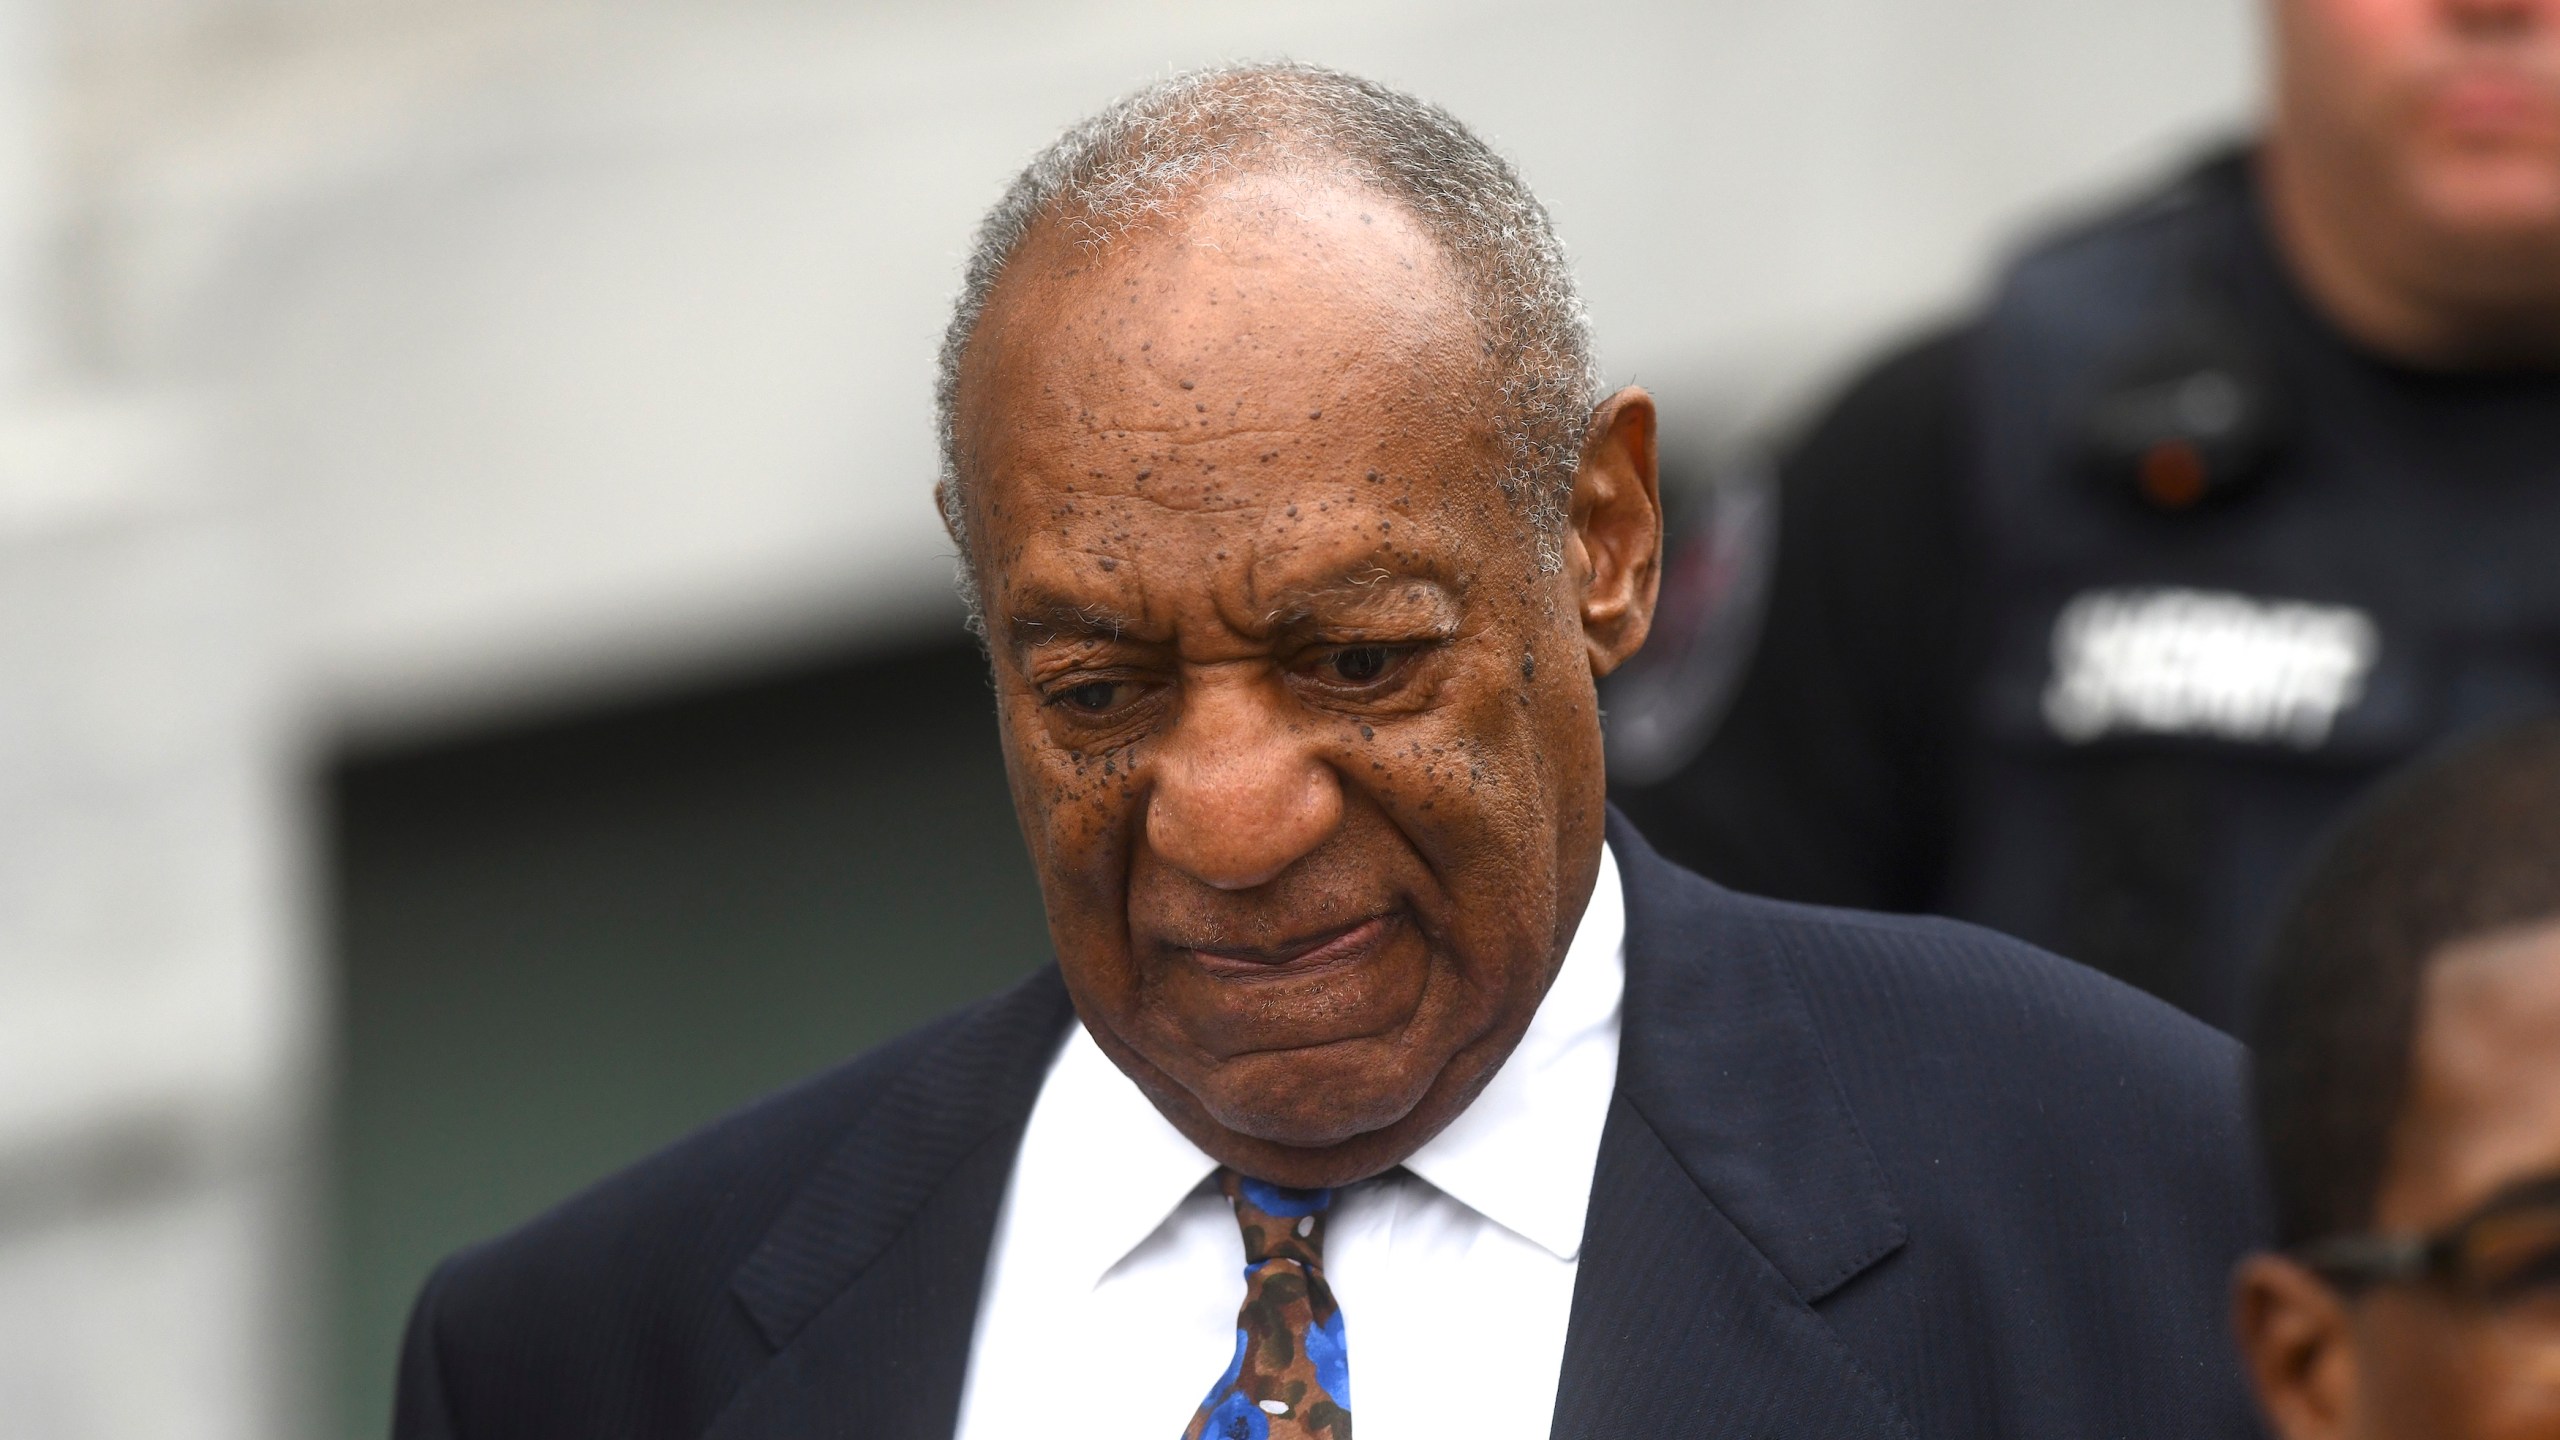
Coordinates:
column 1238, row 258
column 1121, row 173
column 1260, row 306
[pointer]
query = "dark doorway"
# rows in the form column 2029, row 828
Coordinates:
column 562, row 944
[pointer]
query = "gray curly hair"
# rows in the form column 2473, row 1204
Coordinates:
column 1137, row 159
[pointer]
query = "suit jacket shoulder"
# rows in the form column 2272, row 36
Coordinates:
column 2004, row 1089
column 1993, row 1025
column 1981, row 986
column 643, row 1305
column 2011, row 1187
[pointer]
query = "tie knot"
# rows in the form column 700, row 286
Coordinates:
column 1278, row 1223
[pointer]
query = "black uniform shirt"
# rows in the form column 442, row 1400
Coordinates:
column 1905, row 737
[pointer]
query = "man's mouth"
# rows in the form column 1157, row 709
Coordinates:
column 1323, row 950
column 2484, row 104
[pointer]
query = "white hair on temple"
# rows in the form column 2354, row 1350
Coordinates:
column 1140, row 157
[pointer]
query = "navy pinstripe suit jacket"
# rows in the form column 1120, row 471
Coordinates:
column 1862, row 1177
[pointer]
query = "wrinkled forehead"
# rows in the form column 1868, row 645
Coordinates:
column 1262, row 299
column 1287, row 211
column 1281, row 382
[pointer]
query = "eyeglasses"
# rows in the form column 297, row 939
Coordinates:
column 2505, row 1256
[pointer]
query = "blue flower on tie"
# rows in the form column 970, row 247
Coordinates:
column 1279, row 1200
column 1237, row 1418
column 1330, row 1353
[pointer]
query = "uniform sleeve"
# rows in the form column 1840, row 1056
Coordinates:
column 1827, row 779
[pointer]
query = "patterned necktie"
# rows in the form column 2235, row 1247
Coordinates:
column 1291, row 1378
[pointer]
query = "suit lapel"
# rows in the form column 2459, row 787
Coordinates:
column 1681, row 1327
column 1733, row 1193
column 868, row 1285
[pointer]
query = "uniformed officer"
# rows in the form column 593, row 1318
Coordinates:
column 2091, row 612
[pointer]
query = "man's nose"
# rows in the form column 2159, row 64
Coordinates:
column 1237, row 797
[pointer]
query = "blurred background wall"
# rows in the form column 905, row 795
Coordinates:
column 479, row 692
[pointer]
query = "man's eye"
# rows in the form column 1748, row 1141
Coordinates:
column 2513, row 1255
column 1360, row 664
column 1093, row 697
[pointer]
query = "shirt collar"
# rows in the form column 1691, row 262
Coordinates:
column 1521, row 1155
column 1090, row 1108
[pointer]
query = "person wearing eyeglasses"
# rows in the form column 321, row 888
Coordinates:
column 2408, row 1097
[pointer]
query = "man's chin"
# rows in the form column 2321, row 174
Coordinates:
column 1328, row 1119
column 2496, row 202
column 1325, row 1113
column 1325, row 1130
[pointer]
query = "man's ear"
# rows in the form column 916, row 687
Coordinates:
column 946, row 499
column 1613, row 540
column 2300, row 1349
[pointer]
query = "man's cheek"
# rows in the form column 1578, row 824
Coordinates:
column 1043, row 788
column 1078, row 815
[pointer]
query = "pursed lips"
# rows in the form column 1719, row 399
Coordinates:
column 2496, row 101
column 1325, row 950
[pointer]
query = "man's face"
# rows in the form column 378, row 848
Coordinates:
column 2447, row 110
column 2421, row 1361
column 1304, row 744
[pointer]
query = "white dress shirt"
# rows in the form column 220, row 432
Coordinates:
column 1117, row 1269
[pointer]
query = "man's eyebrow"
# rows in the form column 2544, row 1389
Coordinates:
column 1368, row 588
column 1040, row 618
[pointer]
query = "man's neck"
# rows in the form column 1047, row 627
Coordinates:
column 2390, row 284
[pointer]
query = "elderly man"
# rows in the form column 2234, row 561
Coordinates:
column 2409, row 1106
column 1381, row 1073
